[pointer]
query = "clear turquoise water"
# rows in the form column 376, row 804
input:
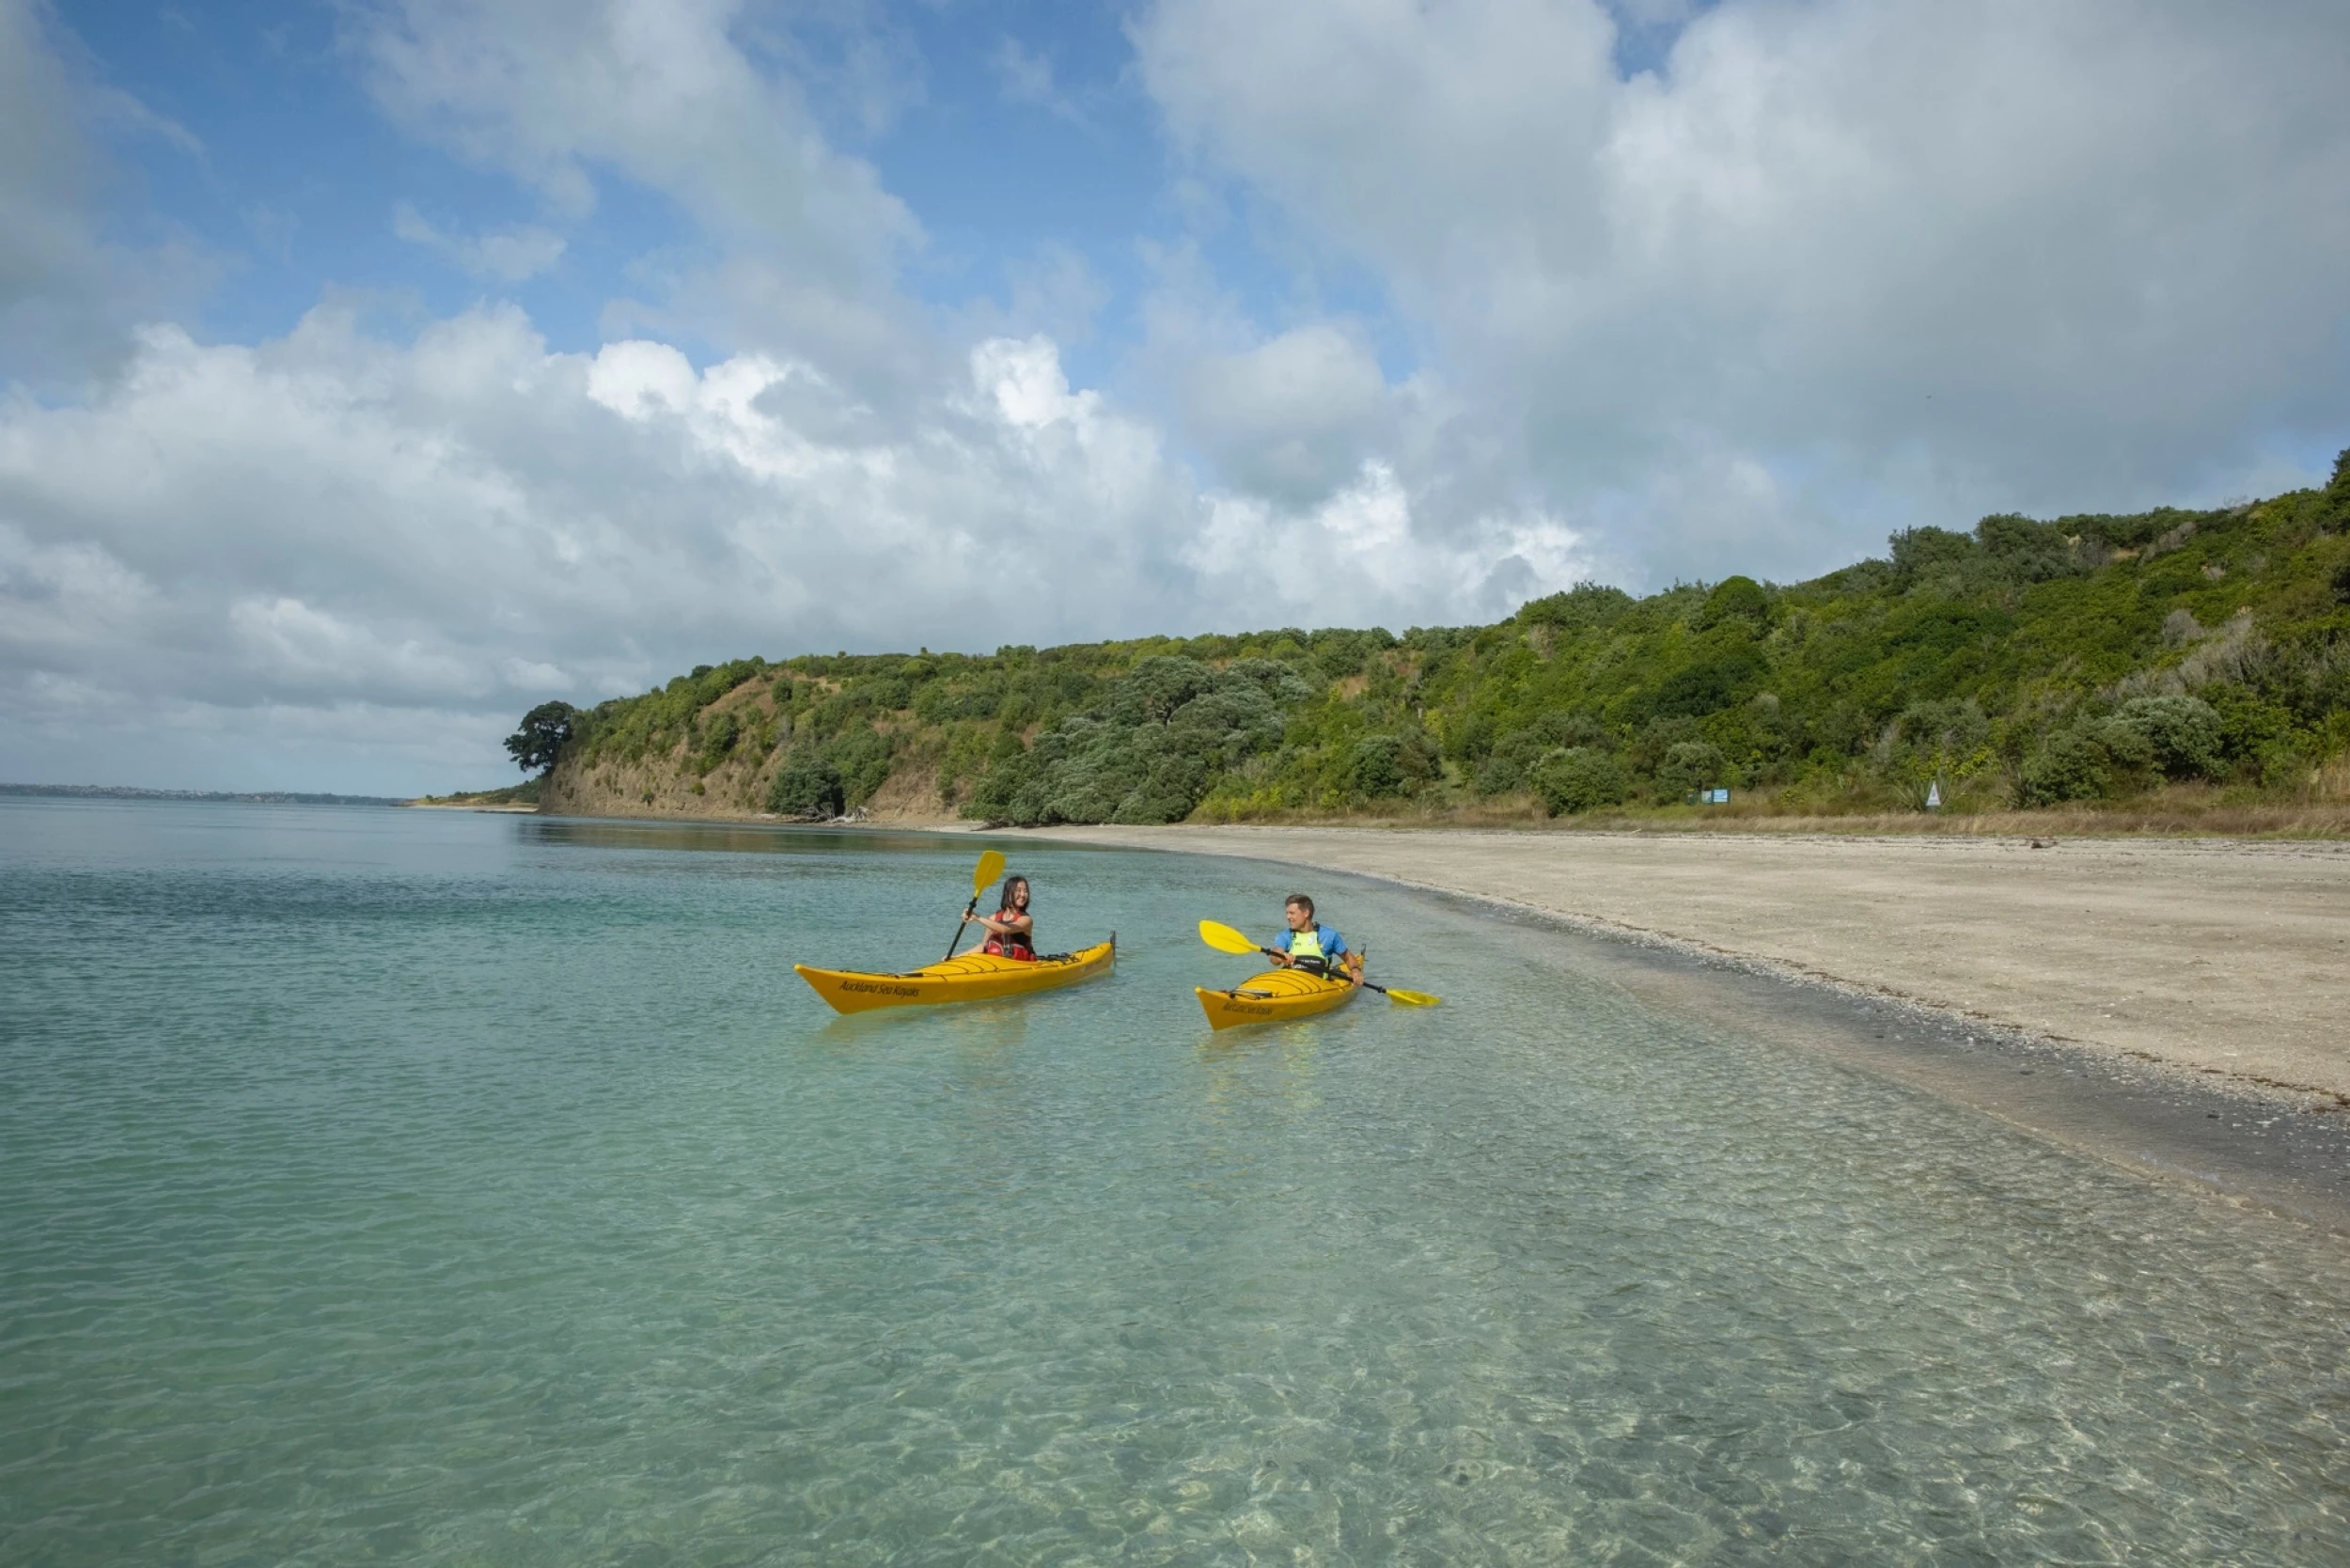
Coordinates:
column 409, row 1188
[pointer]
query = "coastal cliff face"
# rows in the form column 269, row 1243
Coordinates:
column 686, row 776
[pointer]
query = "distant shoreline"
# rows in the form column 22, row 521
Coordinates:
column 428, row 803
column 257, row 797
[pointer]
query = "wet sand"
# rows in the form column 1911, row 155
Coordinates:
column 2224, row 959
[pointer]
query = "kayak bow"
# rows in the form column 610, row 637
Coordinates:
column 972, row 977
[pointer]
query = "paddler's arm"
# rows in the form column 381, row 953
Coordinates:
column 1353, row 960
column 1003, row 925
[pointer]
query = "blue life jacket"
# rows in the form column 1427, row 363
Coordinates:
column 1321, row 943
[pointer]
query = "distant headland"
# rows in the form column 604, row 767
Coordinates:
column 2180, row 670
column 259, row 797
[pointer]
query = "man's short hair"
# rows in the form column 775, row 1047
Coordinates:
column 1302, row 902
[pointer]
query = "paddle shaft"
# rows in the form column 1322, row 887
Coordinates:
column 1276, row 952
column 1369, row 985
column 961, row 926
column 1224, row 939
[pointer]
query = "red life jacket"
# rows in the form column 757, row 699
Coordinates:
column 1020, row 944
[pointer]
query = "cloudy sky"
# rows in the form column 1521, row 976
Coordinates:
column 373, row 370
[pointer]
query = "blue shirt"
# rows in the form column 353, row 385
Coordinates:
column 1333, row 945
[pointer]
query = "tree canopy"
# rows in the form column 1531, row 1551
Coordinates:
column 546, row 730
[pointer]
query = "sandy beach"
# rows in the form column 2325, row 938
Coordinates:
column 2228, row 959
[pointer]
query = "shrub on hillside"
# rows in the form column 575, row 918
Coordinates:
column 1587, row 604
column 806, row 786
column 1276, row 681
column 1148, row 754
column 719, row 734
column 1508, row 768
column 1384, row 766
column 2089, row 760
column 1934, row 744
column 1578, row 779
column 1720, row 677
column 1376, row 769
column 2022, row 551
column 2182, row 733
column 1157, row 689
column 1562, row 729
column 1930, row 555
column 1737, row 602
column 1339, row 654
column 861, row 759
column 2072, row 765
column 1690, row 765
column 1508, row 765
column 1953, row 727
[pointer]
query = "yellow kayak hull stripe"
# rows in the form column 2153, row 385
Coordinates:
column 1274, row 996
column 971, row 977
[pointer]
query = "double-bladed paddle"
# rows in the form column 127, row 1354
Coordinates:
column 991, row 866
column 1224, row 939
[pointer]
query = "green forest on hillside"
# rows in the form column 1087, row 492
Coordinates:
column 2021, row 664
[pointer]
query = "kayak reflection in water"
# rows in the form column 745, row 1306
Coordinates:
column 1312, row 946
column 1010, row 930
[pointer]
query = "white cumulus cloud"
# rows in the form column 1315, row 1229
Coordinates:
column 1901, row 254
column 469, row 522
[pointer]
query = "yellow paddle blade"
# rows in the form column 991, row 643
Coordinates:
column 1413, row 998
column 1224, row 939
column 991, row 866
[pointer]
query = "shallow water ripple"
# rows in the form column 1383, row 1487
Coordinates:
column 398, row 1187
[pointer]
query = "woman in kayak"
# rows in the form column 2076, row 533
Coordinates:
column 1312, row 946
column 1010, row 930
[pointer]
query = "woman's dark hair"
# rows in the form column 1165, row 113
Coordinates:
column 1303, row 903
column 1011, row 883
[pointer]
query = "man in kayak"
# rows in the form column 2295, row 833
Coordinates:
column 1312, row 946
column 1010, row 930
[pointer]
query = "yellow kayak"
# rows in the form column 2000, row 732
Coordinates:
column 972, row 977
column 1275, row 995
